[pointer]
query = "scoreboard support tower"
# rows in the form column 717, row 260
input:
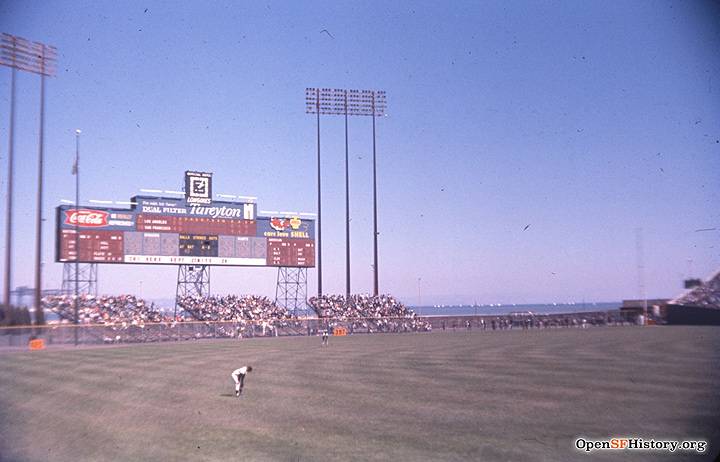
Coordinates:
column 291, row 289
column 86, row 277
column 193, row 281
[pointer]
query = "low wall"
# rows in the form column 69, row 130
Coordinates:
column 692, row 315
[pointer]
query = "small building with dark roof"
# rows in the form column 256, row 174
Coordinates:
column 656, row 308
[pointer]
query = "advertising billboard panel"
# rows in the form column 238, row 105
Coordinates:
column 173, row 231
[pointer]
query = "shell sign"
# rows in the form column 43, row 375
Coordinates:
column 281, row 224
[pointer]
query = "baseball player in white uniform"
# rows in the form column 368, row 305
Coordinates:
column 238, row 376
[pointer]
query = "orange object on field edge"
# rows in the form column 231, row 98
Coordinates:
column 339, row 331
column 37, row 344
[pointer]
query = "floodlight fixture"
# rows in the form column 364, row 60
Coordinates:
column 336, row 101
column 24, row 55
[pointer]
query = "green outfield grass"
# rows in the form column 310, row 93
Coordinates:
column 442, row 396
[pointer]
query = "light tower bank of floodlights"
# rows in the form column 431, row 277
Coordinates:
column 20, row 54
column 334, row 101
column 193, row 232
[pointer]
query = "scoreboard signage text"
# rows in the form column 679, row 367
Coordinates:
column 171, row 231
column 218, row 209
column 198, row 187
column 286, row 227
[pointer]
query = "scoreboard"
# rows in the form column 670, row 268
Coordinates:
column 173, row 231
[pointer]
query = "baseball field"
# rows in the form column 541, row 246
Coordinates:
column 510, row 395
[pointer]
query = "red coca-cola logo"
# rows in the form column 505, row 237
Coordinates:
column 86, row 218
column 279, row 224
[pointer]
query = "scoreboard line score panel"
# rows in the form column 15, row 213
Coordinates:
column 170, row 231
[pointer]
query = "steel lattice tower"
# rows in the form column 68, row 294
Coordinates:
column 86, row 278
column 291, row 289
column 193, row 281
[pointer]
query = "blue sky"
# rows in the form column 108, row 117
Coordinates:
column 583, row 120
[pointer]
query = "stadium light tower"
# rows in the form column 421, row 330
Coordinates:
column 18, row 53
column 347, row 103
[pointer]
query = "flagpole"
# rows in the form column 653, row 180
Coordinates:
column 76, row 172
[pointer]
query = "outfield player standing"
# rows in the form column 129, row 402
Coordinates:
column 238, row 376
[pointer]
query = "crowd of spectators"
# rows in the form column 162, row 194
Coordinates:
column 529, row 320
column 366, row 313
column 123, row 317
column 233, row 308
column 127, row 318
column 122, row 310
column 706, row 295
column 250, row 314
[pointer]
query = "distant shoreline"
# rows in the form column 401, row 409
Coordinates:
column 539, row 308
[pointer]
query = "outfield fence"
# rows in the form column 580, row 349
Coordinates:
column 65, row 333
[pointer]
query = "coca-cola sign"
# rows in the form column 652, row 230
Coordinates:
column 86, row 218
